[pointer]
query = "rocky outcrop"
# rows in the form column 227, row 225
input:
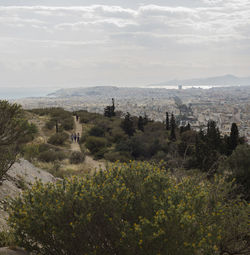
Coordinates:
column 21, row 175
column 16, row 251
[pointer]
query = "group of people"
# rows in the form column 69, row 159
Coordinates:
column 75, row 137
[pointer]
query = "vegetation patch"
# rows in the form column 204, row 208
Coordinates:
column 59, row 138
column 134, row 208
column 76, row 157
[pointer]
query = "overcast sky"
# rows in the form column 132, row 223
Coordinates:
column 68, row 43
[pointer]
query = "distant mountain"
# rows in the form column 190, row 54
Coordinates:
column 84, row 91
column 109, row 92
column 226, row 80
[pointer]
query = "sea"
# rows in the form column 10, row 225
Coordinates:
column 13, row 93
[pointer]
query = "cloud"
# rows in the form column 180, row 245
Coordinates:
column 138, row 35
column 219, row 17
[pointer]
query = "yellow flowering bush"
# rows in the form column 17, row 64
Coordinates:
column 134, row 208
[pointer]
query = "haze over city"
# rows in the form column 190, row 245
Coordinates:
column 123, row 43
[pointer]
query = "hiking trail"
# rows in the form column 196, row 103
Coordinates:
column 89, row 162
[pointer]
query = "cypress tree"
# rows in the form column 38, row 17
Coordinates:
column 109, row 111
column 128, row 125
column 113, row 107
column 141, row 124
column 213, row 135
column 234, row 137
column 172, row 127
column 167, row 122
column 145, row 120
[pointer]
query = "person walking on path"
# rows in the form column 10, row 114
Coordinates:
column 75, row 145
column 72, row 137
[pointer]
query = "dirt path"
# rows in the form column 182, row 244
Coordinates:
column 78, row 130
column 90, row 164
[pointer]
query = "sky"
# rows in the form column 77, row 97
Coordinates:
column 76, row 43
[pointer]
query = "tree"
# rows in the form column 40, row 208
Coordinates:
column 141, row 124
column 185, row 128
column 128, row 125
column 213, row 136
column 239, row 165
column 234, row 137
column 95, row 144
column 109, row 111
column 167, row 122
column 13, row 128
column 145, row 119
column 172, row 128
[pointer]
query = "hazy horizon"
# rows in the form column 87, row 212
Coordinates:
column 121, row 43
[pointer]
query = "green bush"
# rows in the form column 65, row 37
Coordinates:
column 95, row 144
column 30, row 151
column 58, row 138
column 132, row 208
column 97, row 131
column 51, row 156
column 68, row 123
column 100, row 153
column 117, row 156
column 45, row 147
column 50, row 124
column 6, row 239
column 88, row 117
column 76, row 157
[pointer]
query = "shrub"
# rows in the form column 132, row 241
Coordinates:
column 68, row 123
column 60, row 155
column 95, row 144
column 117, row 156
column 118, row 135
column 130, row 209
column 76, row 157
column 100, row 153
column 45, row 147
column 32, row 128
column 50, row 124
column 51, row 156
column 30, row 151
column 97, row 131
column 6, row 239
column 58, row 138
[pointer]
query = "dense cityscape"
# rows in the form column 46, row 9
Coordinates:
column 196, row 106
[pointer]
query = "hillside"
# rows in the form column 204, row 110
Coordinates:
column 165, row 186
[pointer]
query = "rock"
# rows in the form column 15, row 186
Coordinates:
column 21, row 174
column 14, row 251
